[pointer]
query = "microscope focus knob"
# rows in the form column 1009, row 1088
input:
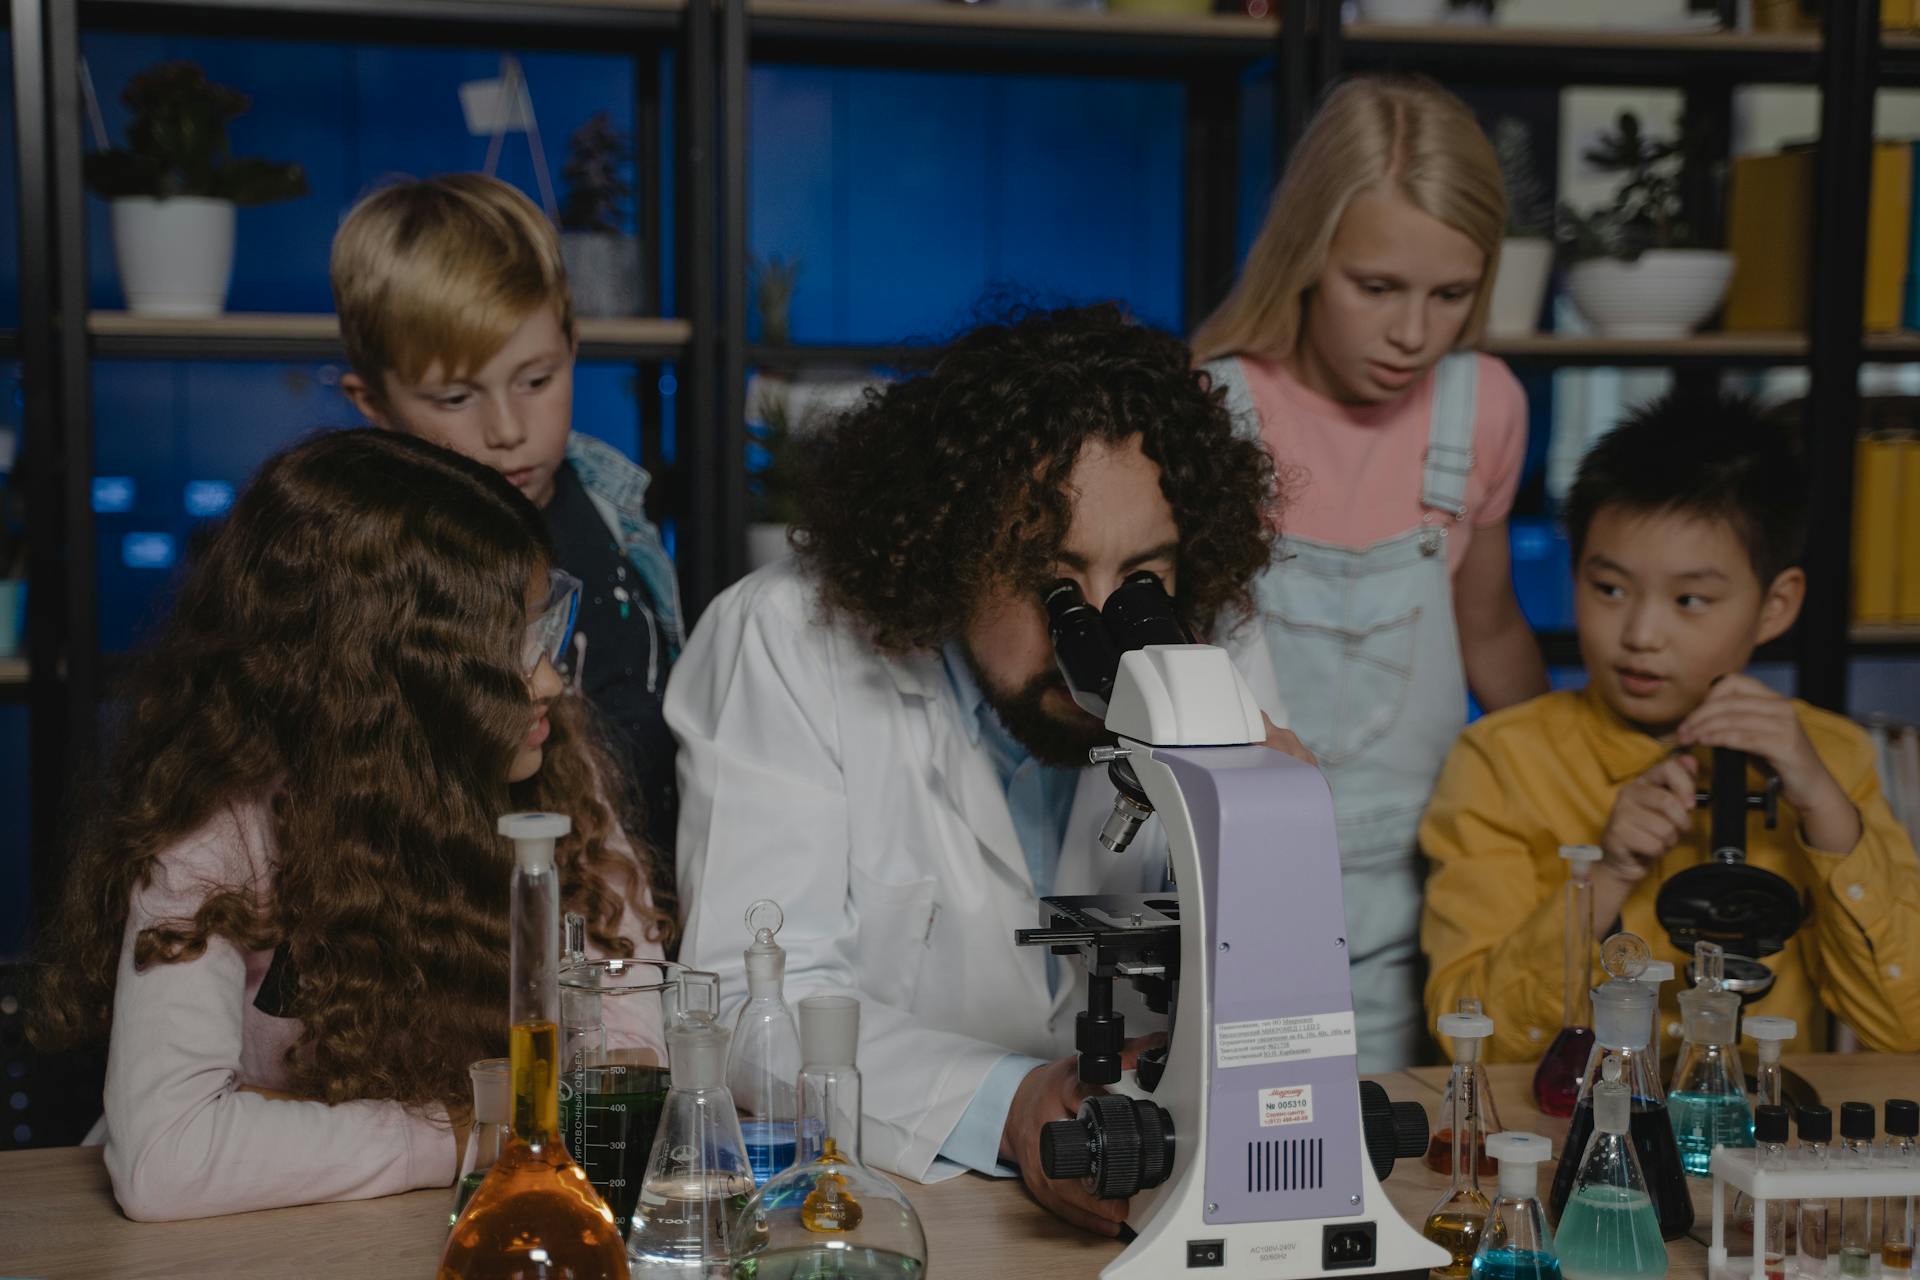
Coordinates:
column 1117, row 1146
column 1394, row 1130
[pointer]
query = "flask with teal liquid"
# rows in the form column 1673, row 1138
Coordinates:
column 1708, row 1102
column 1609, row 1229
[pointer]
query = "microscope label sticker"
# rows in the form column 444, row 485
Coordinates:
column 1292, row 1104
column 1264, row 1041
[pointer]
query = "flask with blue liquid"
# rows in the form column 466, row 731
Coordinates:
column 1708, row 1101
column 1515, row 1244
column 763, row 1063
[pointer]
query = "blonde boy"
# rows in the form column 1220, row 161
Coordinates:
column 459, row 328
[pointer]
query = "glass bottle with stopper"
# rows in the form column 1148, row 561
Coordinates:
column 492, row 1131
column 763, row 1062
column 1456, row 1220
column 1609, row 1230
column 1556, row 1081
column 1623, row 1015
column 1515, row 1244
column 1708, row 1102
column 1468, row 1080
column 828, row 1215
column 535, row 1214
column 698, row 1176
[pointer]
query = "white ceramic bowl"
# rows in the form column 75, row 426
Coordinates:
column 1666, row 293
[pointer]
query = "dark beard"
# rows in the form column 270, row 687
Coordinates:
column 1062, row 744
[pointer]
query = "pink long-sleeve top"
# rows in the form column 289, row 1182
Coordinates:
column 182, row 1140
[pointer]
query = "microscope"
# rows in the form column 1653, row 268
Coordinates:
column 1749, row 911
column 1249, row 1145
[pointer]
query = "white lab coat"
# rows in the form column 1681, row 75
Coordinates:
column 844, row 785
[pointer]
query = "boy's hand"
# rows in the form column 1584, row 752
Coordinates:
column 1650, row 816
column 1742, row 714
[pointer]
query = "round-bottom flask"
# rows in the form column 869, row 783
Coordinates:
column 829, row 1215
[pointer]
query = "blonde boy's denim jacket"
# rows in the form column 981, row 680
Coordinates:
column 617, row 486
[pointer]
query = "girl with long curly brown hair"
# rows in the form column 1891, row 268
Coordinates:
column 290, row 909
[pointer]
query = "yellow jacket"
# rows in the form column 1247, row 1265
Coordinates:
column 1523, row 782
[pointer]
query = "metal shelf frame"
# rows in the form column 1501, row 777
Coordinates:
column 69, row 674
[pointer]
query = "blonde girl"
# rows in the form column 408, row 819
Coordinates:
column 1347, row 344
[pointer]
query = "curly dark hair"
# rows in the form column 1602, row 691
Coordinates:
column 951, row 483
column 345, row 651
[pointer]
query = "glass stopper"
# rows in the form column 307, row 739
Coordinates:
column 1625, row 955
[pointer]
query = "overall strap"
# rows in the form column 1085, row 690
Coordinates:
column 1449, row 456
column 1228, row 374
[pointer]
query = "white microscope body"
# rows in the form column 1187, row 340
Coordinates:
column 1266, row 1169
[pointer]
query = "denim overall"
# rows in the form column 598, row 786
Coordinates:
column 1368, row 659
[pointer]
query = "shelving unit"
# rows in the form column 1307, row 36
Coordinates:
column 718, row 41
column 67, row 671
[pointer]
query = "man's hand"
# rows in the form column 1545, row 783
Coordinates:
column 1283, row 741
column 1054, row 1092
column 1742, row 714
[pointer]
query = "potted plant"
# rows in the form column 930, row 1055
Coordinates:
column 174, row 187
column 1526, row 253
column 772, row 280
column 603, row 262
column 1644, row 266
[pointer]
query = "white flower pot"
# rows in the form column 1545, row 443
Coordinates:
column 766, row 544
column 1666, row 293
column 175, row 255
column 1526, row 263
column 1404, row 12
column 603, row 271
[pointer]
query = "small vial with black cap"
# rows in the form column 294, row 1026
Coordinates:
column 1898, row 1226
column 1815, row 1153
column 1856, row 1212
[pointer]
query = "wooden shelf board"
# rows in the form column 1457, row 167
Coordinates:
column 1588, row 39
column 1737, row 346
column 1887, row 634
column 13, row 671
column 1904, row 344
column 234, row 331
column 951, row 17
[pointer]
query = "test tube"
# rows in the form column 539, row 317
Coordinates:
column 1816, row 1153
column 1770, row 1136
column 1856, row 1212
column 1897, row 1215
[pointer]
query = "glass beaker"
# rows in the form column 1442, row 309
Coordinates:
column 1556, row 1081
column 610, row 1099
column 492, row 1113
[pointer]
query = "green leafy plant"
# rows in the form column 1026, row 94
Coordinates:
column 597, row 195
column 772, row 487
column 177, row 145
column 1529, row 209
column 1669, row 199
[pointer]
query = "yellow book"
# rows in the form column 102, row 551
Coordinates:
column 1876, row 516
column 1896, row 15
column 1770, row 234
column 1907, row 534
column 1889, row 235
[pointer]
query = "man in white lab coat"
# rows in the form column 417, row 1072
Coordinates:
column 874, row 734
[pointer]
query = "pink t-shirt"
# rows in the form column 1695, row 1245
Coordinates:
column 1359, row 467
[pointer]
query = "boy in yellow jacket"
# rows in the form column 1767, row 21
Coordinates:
column 1686, row 525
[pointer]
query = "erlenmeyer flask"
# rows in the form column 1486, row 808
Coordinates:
column 698, row 1177
column 829, row 1215
column 1515, row 1244
column 1610, row 1230
column 1708, row 1101
column 1467, row 1079
column 492, row 1112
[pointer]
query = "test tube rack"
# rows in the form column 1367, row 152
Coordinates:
column 1740, row 1170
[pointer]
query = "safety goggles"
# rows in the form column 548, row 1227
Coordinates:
column 547, row 635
